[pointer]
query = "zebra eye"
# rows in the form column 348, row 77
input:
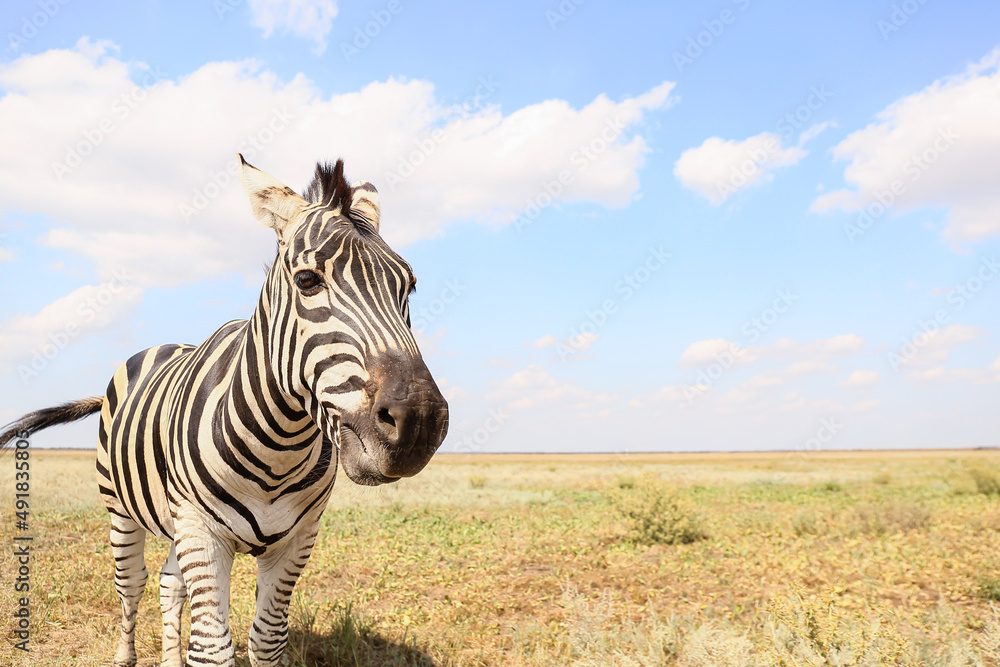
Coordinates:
column 307, row 280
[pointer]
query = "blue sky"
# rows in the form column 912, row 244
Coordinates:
column 636, row 227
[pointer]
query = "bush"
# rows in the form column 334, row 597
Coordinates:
column 891, row 518
column 989, row 588
column 655, row 514
column 477, row 481
column 806, row 522
column 600, row 633
column 987, row 479
column 626, row 482
column 817, row 629
column 712, row 646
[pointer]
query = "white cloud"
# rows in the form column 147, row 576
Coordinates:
column 428, row 345
column 934, row 347
column 941, row 375
column 311, row 19
column 669, row 394
column 534, row 385
column 814, row 131
column 795, row 401
column 32, row 341
column 6, row 255
column 452, row 392
column 156, row 147
column 714, row 350
column 548, row 340
column 582, row 342
column 566, row 348
column 714, row 358
column 809, row 355
column 842, row 345
column 810, row 367
column 861, row 378
column 777, row 377
column 718, row 169
column 937, row 148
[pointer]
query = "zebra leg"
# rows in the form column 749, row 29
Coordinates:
column 173, row 594
column 277, row 573
column 128, row 539
column 206, row 563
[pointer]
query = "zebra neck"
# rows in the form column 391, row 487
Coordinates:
column 258, row 411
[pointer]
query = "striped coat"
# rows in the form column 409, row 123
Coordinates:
column 233, row 445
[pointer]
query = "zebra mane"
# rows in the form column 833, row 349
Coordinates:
column 329, row 187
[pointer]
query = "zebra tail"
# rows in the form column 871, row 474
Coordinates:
column 61, row 414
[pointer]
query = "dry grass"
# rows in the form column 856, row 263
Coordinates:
column 524, row 561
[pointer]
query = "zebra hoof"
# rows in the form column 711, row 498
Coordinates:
column 125, row 656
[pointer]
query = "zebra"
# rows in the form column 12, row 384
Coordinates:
column 232, row 446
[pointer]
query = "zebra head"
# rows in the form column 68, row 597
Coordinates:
column 339, row 336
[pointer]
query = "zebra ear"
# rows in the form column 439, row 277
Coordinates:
column 365, row 202
column 273, row 203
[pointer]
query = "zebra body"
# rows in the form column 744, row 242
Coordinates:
column 232, row 446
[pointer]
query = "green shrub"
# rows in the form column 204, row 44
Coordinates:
column 885, row 518
column 655, row 514
column 477, row 481
column 987, row 479
column 805, row 628
column 989, row 588
column 626, row 482
column 806, row 522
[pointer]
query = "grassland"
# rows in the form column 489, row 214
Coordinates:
column 791, row 559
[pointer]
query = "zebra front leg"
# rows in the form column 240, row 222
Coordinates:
column 173, row 594
column 128, row 540
column 206, row 563
column 277, row 573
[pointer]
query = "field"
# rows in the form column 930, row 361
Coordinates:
column 877, row 558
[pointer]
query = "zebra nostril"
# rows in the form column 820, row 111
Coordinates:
column 387, row 424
